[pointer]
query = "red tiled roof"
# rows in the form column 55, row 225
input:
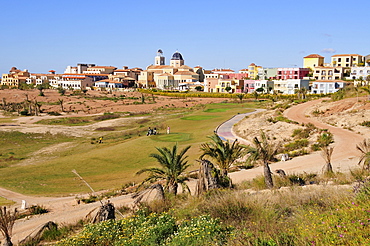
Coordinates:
column 346, row 55
column 110, row 67
column 159, row 66
column 313, row 56
column 185, row 73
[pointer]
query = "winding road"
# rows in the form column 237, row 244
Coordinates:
column 66, row 210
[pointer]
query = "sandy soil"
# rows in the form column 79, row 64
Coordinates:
column 66, row 209
column 90, row 104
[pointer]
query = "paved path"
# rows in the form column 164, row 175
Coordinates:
column 225, row 130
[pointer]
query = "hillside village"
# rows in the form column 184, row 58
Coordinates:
column 316, row 76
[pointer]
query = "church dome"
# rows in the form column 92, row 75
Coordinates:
column 177, row 56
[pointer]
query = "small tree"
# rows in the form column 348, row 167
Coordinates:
column 60, row 101
column 173, row 166
column 224, row 153
column 198, row 88
column 265, row 152
column 240, row 96
column 364, row 148
column 61, row 90
column 228, row 88
column 255, row 95
column 326, row 153
column 7, row 220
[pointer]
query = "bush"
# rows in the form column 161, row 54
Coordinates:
column 365, row 123
column 36, row 209
column 297, row 144
column 325, row 138
column 152, row 229
column 54, row 113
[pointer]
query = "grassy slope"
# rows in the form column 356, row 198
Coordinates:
column 5, row 202
column 110, row 165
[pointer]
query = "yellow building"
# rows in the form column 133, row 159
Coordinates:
column 253, row 71
column 15, row 77
column 346, row 60
column 312, row 61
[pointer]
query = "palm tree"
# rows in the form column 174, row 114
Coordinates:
column 224, row 153
column 264, row 152
column 364, row 148
column 240, row 96
column 172, row 168
column 7, row 220
column 326, row 153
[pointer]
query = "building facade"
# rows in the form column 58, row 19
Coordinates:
column 292, row 73
column 346, row 60
column 312, row 61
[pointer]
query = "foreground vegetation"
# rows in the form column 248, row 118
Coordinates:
column 296, row 215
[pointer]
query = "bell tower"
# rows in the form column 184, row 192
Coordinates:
column 159, row 59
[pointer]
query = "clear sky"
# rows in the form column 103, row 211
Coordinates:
column 40, row 35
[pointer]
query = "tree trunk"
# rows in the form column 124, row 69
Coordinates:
column 7, row 242
column 328, row 168
column 172, row 188
column 268, row 176
column 207, row 178
column 106, row 212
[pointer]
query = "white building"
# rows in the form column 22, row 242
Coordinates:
column 328, row 86
column 290, row 86
column 360, row 72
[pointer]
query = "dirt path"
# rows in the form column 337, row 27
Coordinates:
column 345, row 155
column 66, row 210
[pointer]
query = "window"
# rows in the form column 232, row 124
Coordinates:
column 347, row 59
column 339, row 59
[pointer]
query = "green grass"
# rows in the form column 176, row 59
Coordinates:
column 115, row 162
column 5, row 202
column 174, row 137
column 78, row 121
column 215, row 110
column 199, row 117
column 6, row 120
column 16, row 146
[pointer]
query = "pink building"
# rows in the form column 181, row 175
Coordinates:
column 292, row 73
column 238, row 76
column 249, row 86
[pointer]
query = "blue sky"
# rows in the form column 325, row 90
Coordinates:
column 41, row 35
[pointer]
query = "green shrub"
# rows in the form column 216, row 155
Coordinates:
column 325, row 138
column 36, row 209
column 54, row 113
column 365, row 123
column 297, row 144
